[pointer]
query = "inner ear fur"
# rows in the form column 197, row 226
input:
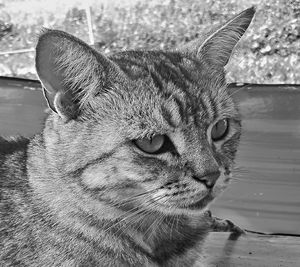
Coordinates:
column 70, row 71
column 216, row 46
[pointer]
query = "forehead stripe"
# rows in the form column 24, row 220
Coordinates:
column 207, row 104
column 156, row 80
column 172, row 112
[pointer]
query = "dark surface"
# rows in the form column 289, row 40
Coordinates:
column 266, row 196
column 22, row 107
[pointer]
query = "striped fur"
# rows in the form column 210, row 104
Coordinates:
column 81, row 193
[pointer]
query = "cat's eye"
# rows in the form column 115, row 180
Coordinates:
column 155, row 145
column 219, row 130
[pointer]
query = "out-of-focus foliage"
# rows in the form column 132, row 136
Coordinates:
column 269, row 52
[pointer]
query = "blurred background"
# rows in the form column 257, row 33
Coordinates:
column 268, row 53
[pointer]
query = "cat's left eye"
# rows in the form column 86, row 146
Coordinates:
column 219, row 130
column 155, row 145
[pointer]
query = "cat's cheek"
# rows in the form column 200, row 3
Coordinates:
column 115, row 175
column 97, row 176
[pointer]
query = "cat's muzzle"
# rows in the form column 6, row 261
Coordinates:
column 209, row 179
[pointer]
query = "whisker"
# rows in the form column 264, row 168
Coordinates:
column 151, row 228
column 133, row 215
column 242, row 180
column 129, row 221
column 135, row 197
column 249, row 174
column 128, row 214
column 172, row 224
column 142, row 216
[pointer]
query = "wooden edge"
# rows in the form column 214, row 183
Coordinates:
column 225, row 249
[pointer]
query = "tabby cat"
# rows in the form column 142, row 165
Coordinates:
column 136, row 146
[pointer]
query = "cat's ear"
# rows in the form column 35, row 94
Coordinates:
column 70, row 72
column 216, row 47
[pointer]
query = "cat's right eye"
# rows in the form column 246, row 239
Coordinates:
column 219, row 130
column 157, row 144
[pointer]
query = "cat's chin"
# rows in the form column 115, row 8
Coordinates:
column 201, row 204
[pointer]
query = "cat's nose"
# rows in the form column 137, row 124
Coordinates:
column 208, row 179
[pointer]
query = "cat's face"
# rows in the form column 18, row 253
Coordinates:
column 171, row 144
column 149, row 130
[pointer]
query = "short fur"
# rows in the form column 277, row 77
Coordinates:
column 82, row 193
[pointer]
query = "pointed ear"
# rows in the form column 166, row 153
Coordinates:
column 216, row 47
column 70, row 72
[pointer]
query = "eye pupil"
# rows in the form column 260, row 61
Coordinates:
column 219, row 130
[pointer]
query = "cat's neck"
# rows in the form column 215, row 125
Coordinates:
column 166, row 235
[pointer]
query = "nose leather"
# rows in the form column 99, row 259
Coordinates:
column 208, row 179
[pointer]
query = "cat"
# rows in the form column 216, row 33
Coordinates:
column 135, row 148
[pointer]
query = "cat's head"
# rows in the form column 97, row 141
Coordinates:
column 155, row 130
